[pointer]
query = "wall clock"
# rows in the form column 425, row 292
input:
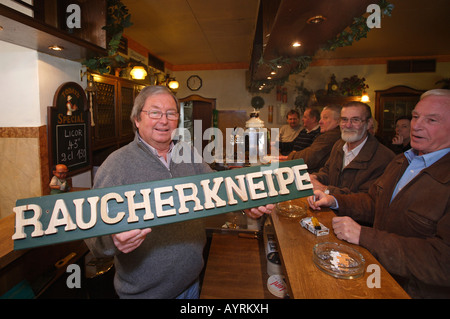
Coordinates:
column 194, row 83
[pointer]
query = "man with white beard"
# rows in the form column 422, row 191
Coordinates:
column 357, row 159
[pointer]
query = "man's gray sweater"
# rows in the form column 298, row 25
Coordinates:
column 171, row 257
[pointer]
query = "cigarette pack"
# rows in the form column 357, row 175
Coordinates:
column 308, row 224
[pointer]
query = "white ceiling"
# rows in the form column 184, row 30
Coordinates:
column 186, row 32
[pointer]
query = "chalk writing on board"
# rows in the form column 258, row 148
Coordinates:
column 71, row 144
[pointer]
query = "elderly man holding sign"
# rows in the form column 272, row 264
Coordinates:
column 165, row 261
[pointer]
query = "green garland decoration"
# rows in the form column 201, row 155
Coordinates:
column 303, row 62
column 355, row 32
column 117, row 20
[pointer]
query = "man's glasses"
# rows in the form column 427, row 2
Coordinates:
column 353, row 120
column 155, row 114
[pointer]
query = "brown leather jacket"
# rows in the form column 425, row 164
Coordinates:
column 410, row 237
column 316, row 155
column 360, row 173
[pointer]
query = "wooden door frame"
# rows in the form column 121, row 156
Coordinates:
column 198, row 98
column 395, row 91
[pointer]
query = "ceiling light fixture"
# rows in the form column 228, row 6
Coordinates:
column 56, row 48
column 316, row 19
column 296, row 44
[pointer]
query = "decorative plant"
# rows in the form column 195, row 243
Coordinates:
column 302, row 99
column 302, row 61
column 117, row 20
column 353, row 86
column 356, row 31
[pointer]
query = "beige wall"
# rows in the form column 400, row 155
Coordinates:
column 23, row 163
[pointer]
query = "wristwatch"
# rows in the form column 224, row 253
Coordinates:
column 327, row 191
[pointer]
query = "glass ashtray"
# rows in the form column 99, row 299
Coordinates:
column 338, row 260
column 290, row 210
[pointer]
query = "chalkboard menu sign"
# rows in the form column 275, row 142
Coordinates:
column 69, row 135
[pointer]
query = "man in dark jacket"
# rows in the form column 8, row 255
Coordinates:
column 316, row 155
column 310, row 131
column 356, row 160
column 408, row 205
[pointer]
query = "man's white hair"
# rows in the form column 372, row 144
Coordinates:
column 435, row 92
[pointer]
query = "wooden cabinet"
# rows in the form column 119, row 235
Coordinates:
column 105, row 108
column 112, row 105
column 391, row 104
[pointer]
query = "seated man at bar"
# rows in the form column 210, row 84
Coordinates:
column 316, row 155
column 356, row 160
column 401, row 140
column 289, row 131
column 408, row 206
column 306, row 136
column 164, row 262
column 310, row 131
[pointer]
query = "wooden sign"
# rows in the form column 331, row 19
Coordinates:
column 69, row 129
column 78, row 215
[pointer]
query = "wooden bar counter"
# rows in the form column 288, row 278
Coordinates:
column 235, row 269
column 305, row 280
